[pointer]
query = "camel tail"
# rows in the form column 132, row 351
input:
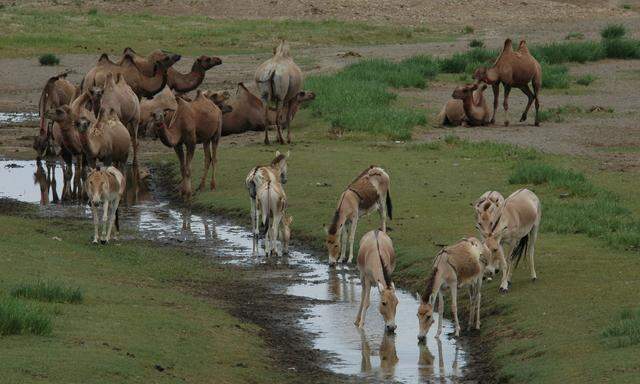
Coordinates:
column 520, row 250
column 389, row 206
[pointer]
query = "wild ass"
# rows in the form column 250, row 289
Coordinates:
column 369, row 191
column 376, row 262
column 105, row 187
column 271, row 202
column 274, row 172
column 285, row 233
column 515, row 224
column 487, row 206
column 455, row 266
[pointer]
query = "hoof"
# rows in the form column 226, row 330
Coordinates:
column 95, row 241
column 508, row 284
column 504, row 290
column 103, row 242
column 345, row 261
column 506, row 123
column 534, row 279
column 493, row 121
column 537, row 123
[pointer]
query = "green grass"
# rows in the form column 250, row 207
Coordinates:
column 555, row 76
column 560, row 114
column 574, row 36
column 18, row 318
column 586, row 80
column 49, row 59
column 26, row 32
column 467, row 30
column 145, row 305
column 569, row 51
column 48, row 291
column 624, row 331
column 475, row 43
column 622, row 48
column 565, row 180
column 613, row 31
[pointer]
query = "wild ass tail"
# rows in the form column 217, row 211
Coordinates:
column 117, row 220
column 520, row 250
column 266, row 212
column 252, row 189
column 389, row 206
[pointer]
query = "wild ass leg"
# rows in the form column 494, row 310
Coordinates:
column 352, row 236
column 496, row 96
column 207, row 163
column 275, row 227
column 531, row 97
column 96, row 223
column 531, row 247
column 105, row 218
column 454, row 307
column 505, row 265
column 363, row 295
column 505, row 104
column 366, row 286
column 344, row 238
column 472, row 306
column 254, row 225
column 478, row 299
column 440, row 312
column 112, row 218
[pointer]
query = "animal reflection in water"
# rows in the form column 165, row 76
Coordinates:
column 46, row 175
column 426, row 363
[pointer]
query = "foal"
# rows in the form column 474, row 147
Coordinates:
column 376, row 262
column 455, row 266
column 275, row 172
column 271, row 204
column 106, row 187
column 369, row 191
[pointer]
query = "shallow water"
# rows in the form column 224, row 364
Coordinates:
column 369, row 353
column 17, row 117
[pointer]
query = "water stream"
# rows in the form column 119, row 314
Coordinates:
column 369, row 353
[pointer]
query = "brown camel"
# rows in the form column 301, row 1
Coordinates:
column 513, row 69
column 452, row 113
column 165, row 99
column 142, row 85
column 248, row 111
column 193, row 122
column 105, row 138
column 476, row 110
column 279, row 80
column 57, row 91
column 118, row 96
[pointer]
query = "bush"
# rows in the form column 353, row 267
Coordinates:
column 574, row 51
column 613, row 31
column 48, row 291
column 622, row 48
column 558, row 114
column 49, row 59
column 17, row 317
column 467, row 30
column 586, row 80
column 467, row 62
column 475, row 43
column 555, row 76
column 422, row 64
column 93, row 12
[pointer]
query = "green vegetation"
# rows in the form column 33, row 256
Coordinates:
column 613, row 31
column 25, row 32
column 49, row 59
column 574, row 36
column 561, row 113
column 148, row 305
column 625, row 330
column 48, row 291
column 586, row 80
column 475, row 43
column 18, row 317
column 537, row 173
column 569, row 51
column 626, row 6
column 467, row 30
column 364, row 88
column 555, row 76
column 622, row 48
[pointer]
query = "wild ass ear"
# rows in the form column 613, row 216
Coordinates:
column 288, row 154
column 432, row 300
column 326, row 229
column 277, row 153
column 380, row 287
column 393, row 285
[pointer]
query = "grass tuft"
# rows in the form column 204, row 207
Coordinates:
column 49, row 292
column 565, row 180
column 475, row 43
column 586, row 80
column 467, row 30
column 49, row 59
column 574, row 36
column 93, row 12
column 554, row 76
column 625, row 330
column 613, row 31
column 18, row 317
column 622, row 48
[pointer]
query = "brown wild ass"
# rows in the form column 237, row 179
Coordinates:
column 271, row 203
column 279, row 80
column 285, row 233
column 259, row 175
column 369, row 191
column 455, row 266
column 376, row 262
column 487, row 207
column 516, row 225
column 105, row 187
column 513, row 69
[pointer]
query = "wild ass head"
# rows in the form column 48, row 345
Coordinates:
column 425, row 309
column 97, row 185
column 303, row 96
column 388, row 305
column 280, row 163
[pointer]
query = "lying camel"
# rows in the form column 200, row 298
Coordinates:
column 513, row 69
column 452, row 113
column 116, row 95
column 142, row 85
column 279, row 80
column 105, row 139
column 193, row 122
column 476, row 111
column 57, row 91
column 248, row 111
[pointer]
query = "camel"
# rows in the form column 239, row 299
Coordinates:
column 57, row 91
column 516, row 225
column 271, row 203
column 116, row 95
column 455, row 266
column 513, row 69
column 195, row 122
column 368, row 192
column 161, row 101
column 178, row 82
column 475, row 108
column 105, row 138
column 142, row 85
column 146, row 63
column 376, row 262
column 106, row 188
column 279, row 80
column 274, row 172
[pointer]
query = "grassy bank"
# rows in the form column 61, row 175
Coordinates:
column 122, row 313
column 30, row 32
column 583, row 281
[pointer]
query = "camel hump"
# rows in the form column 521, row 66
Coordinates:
column 128, row 51
column 522, row 47
column 508, row 46
column 104, row 58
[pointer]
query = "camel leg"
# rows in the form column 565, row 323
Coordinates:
column 112, row 218
column 134, row 141
column 180, row 152
column 505, row 104
column 278, row 123
column 536, row 91
column 454, row 307
column 496, row 97
column 352, row 236
column 362, row 297
column 366, row 287
column 104, row 223
column 288, row 120
column 96, row 223
column 214, row 161
column 207, row 163
column 440, row 313
column 531, row 97
column 267, row 123
column 191, row 148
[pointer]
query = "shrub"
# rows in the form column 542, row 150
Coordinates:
column 18, row 317
column 622, row 48
column 555, row 76
column 422, row 64
column 574, row 36
column 475, row 43
column 467, row 61
column 467, row 30
column 48, row 291
column 625, row 330
column 49, row 59
column 613, row 31
column 93, row 12
column 539, row 173
column 585, row 80
column 574, row 51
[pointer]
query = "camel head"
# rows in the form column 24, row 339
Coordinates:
column 464, row 91
column 59, row 114
column 167, row 60
column 84, row 121
column 206, row 62
column 158, row 120
column 303, row 96
column 219, row 99
column 95, row 94
column 425, row 317
column 388, row 305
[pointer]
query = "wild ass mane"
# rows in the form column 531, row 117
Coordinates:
column 385, row 273
column 278, row 159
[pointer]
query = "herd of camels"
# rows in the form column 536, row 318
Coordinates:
column 117, row 102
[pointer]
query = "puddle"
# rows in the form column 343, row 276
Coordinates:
column 17, row 117
column 370, row 354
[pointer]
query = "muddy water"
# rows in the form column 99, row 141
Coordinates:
column 17, row 117
column 370, row 354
